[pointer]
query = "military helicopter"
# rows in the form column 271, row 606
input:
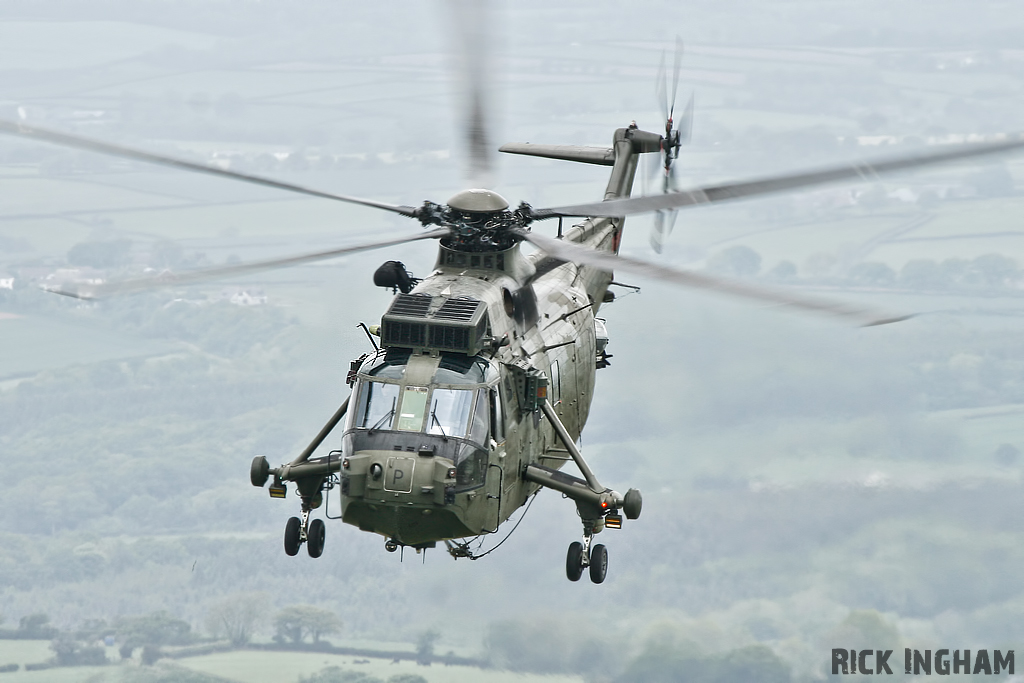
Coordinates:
column 482, row 382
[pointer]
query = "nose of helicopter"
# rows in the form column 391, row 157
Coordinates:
column 407, row 496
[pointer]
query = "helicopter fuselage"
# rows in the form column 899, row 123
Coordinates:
column 436, row 441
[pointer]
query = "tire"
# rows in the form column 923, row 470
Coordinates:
column 315, row 538
column 574, row 561
column 291, row 536
column 598, row 563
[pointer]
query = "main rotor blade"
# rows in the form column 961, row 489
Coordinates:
column 88, row 144
column 607, row 262
column 196, row 276
column 751, row 188
column 472, row 19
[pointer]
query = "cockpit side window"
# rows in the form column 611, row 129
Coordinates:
column 376, row 405
column 449, row 412
column 478, row 432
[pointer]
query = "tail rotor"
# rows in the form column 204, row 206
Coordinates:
column 675, row 137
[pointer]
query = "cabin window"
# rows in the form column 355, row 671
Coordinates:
column 556, row 383
column 376, row 405
column 410, row 413
column 449, row 412
column 497, row 417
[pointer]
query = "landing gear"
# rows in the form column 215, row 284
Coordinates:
column 598, row 563
column 574, row 561
column 298, row 531
column 315, row 538
column 582, row 556
column 292, row 536
column 391, row 545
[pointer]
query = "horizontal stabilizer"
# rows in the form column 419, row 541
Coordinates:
column 602, row 156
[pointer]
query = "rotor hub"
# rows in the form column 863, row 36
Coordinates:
column 478, row 201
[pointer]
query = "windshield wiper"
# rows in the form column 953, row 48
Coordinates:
column 387, row 417
column 433, row 416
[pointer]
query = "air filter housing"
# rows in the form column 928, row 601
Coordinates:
column 457, row 324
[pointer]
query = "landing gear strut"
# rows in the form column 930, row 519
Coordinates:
column 597, row 505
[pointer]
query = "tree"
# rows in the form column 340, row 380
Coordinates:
column 994, row 181
column 784, row 271
column 237, row 617
column 873, row 274
column 158, row 628
column 864, row 628
column 109, row 254
column 922, row 274
column 72, row 652
column 37, row 626
column 298, row 621
column 993, row 270
column 664, row 661
column 739, row 261
column 334, row 674
column 425, row 646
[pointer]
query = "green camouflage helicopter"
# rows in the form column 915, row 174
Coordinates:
column 485, row 371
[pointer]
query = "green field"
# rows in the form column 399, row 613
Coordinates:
column 31, row 344
column 275, row 667
column 250, row 666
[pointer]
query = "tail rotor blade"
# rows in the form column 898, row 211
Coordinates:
column 677, row 67
column 661, row 89
column 686, row 123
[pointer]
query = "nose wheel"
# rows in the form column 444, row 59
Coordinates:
column 582, row 556
column 298, row 531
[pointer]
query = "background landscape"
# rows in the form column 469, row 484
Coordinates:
column 806, row 485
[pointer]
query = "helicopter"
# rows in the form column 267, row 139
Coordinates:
column 481, row 385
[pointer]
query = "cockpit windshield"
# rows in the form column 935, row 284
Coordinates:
column 377, row 403
column 443, row 411
column 449, row 412
column 452, row 404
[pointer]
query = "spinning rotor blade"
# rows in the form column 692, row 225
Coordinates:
column 720, row 193
column 219, row 272
column 472, row 18
column 675, row 74
column 78, row 142
column 660, row 89
column 607, row 262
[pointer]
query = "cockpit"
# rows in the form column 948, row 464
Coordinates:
column 446, row 402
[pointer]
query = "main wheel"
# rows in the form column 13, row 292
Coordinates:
column 315, row 538
column 598, row 563
column 574, row 561
column 291, row 536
